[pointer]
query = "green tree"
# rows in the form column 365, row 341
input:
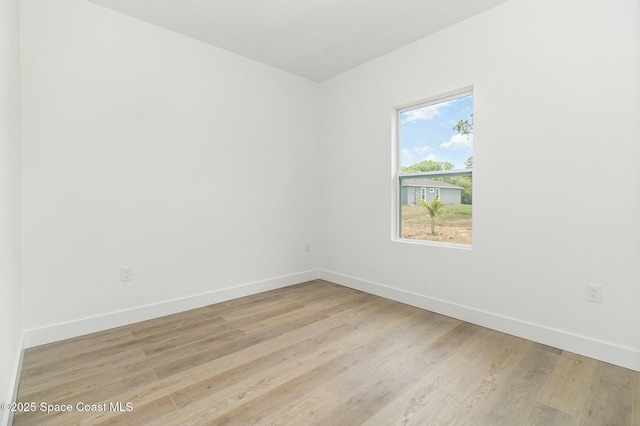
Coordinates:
column 435, row 209
column 428, row 166
column 464, row 127
column 469, row 162
column 467, row 188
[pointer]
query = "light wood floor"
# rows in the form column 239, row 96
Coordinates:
column 319, row 353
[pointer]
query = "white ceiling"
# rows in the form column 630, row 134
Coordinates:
column 315, row 39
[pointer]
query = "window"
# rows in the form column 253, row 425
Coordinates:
column 435, row 169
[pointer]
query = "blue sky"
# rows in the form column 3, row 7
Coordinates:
column 427, row 133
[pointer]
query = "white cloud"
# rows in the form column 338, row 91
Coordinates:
column 458, row 141
column 423, row 114
column 406, row 154
column 433, row 157
column 421, row 150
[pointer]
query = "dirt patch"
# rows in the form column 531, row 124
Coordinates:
column 454, row 226
column 448, row 234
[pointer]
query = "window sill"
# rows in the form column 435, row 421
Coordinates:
column 433, row 243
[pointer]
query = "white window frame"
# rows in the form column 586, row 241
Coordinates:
column 398, row 175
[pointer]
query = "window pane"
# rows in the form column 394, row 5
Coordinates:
column 453, row 211
column 435, row 170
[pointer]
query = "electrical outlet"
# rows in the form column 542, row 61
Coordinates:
column 126, row 273
column 594, row 293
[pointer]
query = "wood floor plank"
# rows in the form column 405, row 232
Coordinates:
column 544, row 415
column 45, row 353
column 108, row 391
column 515, row 399
column 314, row 406
column 312, row 290
column 610, row 397
column 70, row 368
column 260, row 313
column 220, row 333
column 329, row 306
column 84, row 386
column 166, row 325
column 149, row 413
column 62, row 364
column 435, row 390
column 320, row 353
column 218, row 404
column 41, row 376
column 301, row 351
column 86, row 378
column 247, row 304
column 487, row 372
column 636, row 400
column 568, row 384
column 211, row 328
column 405, row 352
column 351, row 367
column 235, row 345
column 357, row 316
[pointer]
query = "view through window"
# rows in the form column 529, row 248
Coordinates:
column 435, row 170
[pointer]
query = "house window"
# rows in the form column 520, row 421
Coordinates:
column 435, row 151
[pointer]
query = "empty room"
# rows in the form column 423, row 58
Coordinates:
column 319, row 212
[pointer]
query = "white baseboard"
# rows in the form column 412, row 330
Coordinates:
column 603, row 351
column 6, row 417
column 82, row 326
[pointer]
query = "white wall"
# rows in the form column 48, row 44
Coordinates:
column 200, row 169
column 557, row 101
column 10, row 315
column 142, row 147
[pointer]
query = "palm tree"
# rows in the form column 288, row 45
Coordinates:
column 435, row 209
